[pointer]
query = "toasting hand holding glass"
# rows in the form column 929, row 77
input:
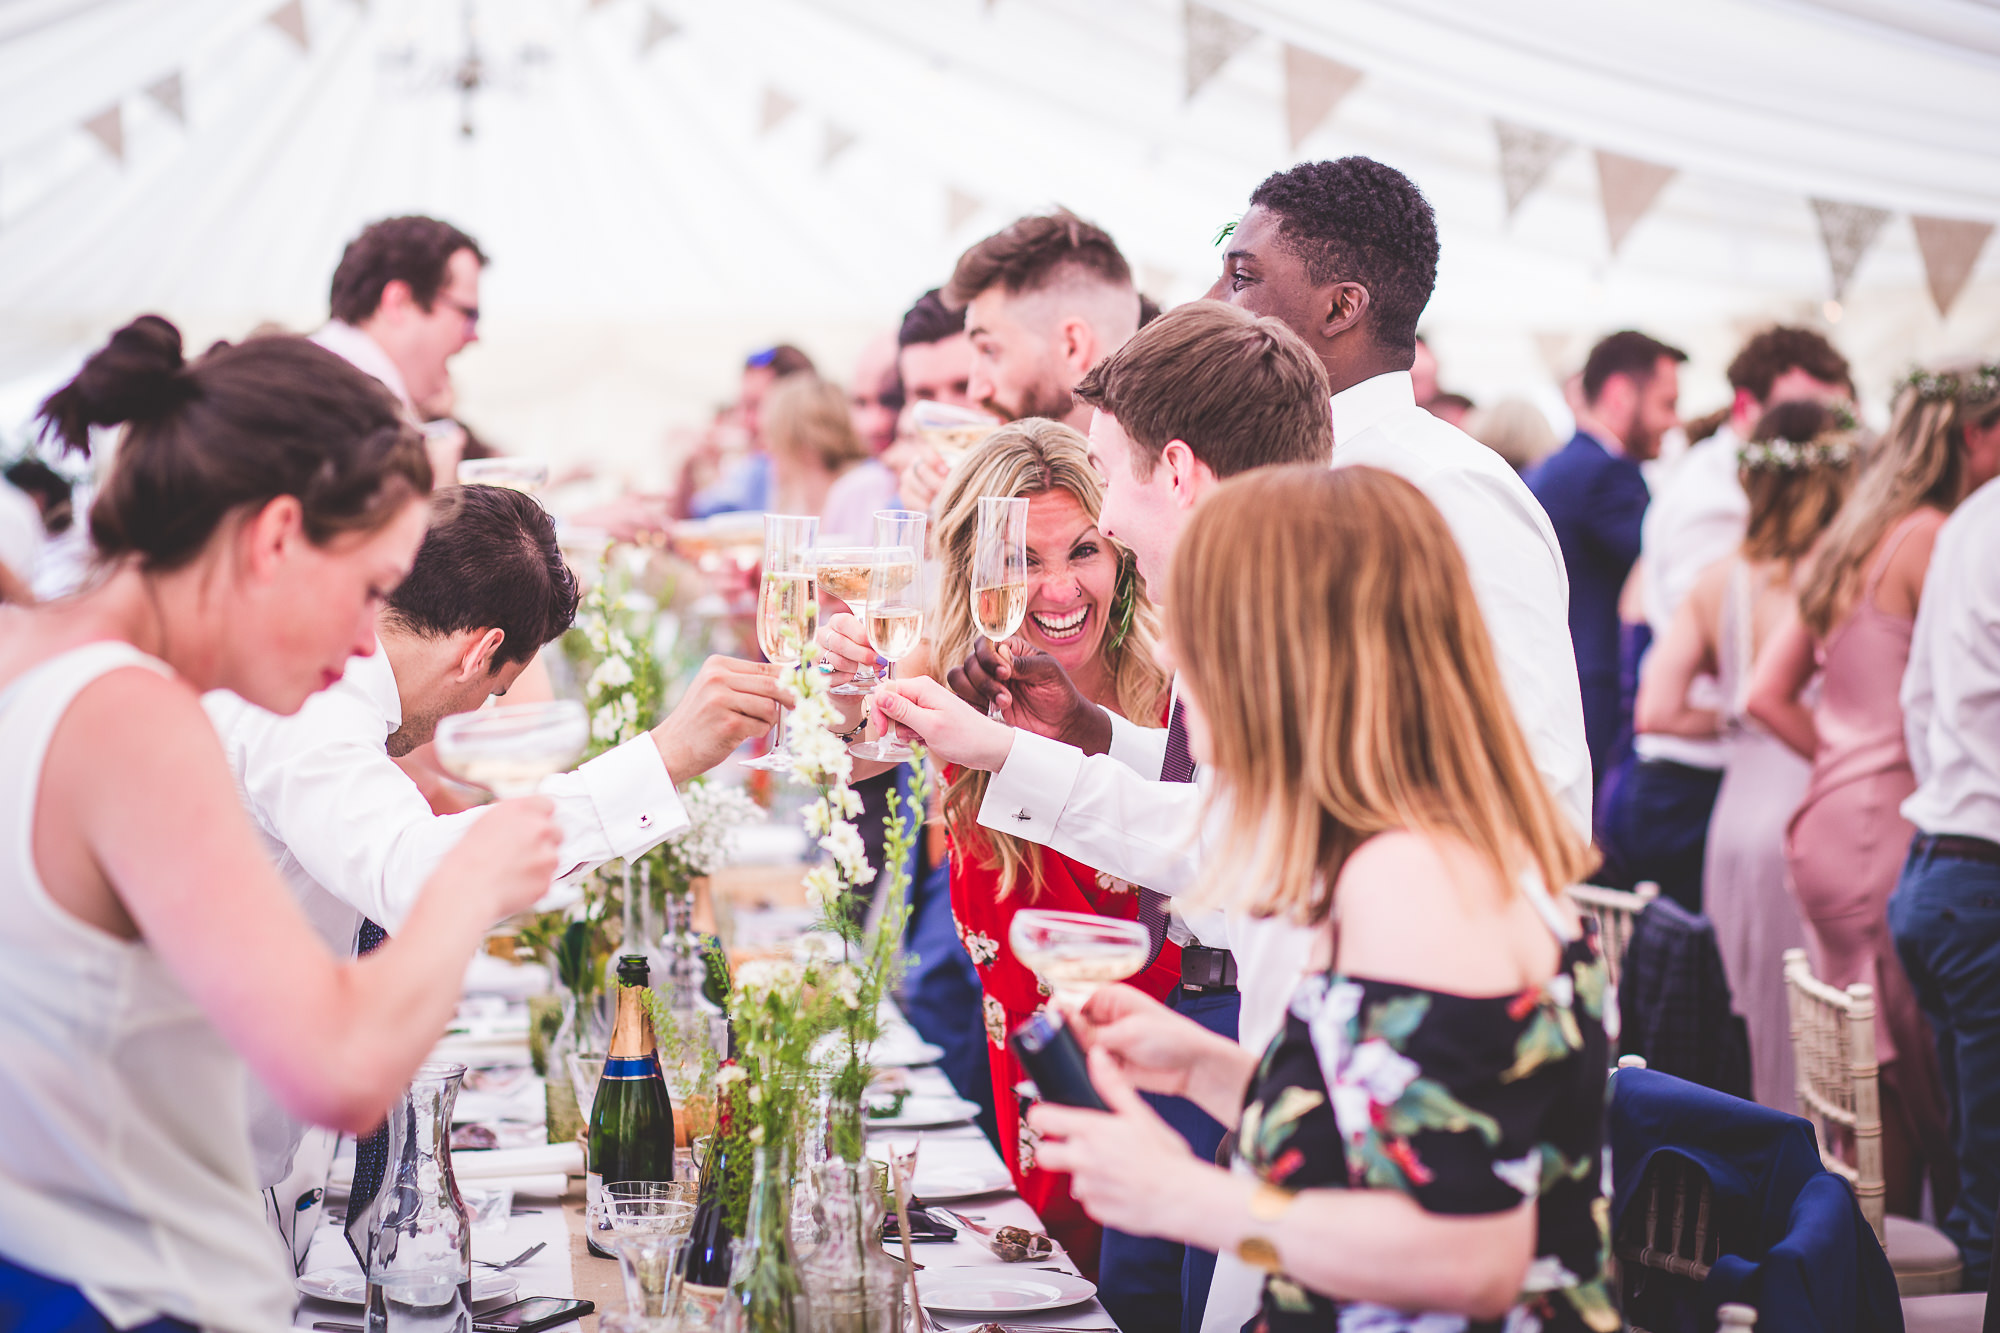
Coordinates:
column 787, row 609
column 895, row 619
column 846, row 572
column 1000, row 570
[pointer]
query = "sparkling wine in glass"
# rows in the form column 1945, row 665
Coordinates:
column 845, row 571
column 952, row 431
column 509, row 748
column 1000, row 570
column 787, row 610
column 1076, row 952
column 895, row 618
column 518, row 474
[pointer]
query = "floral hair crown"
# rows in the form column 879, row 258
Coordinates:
column 1782, row 455
column 1977, row 384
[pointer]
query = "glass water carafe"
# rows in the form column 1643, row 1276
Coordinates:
column 413, row 1235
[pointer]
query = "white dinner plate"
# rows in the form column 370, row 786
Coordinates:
column 920, row 1112
column 903, row 1050
column 344, row 1286
column 984, row 1291
column 943, row 1184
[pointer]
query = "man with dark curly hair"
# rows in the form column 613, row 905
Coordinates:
column 1346, row 253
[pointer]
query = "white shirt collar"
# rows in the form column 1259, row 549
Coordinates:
column 1357, row 408
column 362, row 352
column 373, row 679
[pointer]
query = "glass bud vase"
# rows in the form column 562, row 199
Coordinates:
column 851, row 1287
column 411, row 1231
column 765, row 1293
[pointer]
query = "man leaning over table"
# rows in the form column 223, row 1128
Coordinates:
column 351, row 833
column 1345, row 254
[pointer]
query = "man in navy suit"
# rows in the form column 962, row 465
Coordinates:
column 1596, row 498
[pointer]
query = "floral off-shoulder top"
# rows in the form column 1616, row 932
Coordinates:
column 1469, row 1105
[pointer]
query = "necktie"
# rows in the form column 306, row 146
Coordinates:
column 371, row 1150
column 1176, row 766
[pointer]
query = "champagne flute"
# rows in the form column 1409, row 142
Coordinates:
column 528, row 475
column 787, row 611
column 509, row 748
column 1076, row 952
column 1000, row 571
column 895, row 613
column 846, row 571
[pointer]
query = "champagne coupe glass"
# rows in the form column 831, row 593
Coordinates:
column 528, row 475
column 509, row 748
column 845, row 571
column 1000, row 570
column 1076, row 952
column 787, row 611
column 950, row 430
column 895, row 614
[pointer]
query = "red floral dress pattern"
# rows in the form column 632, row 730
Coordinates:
column 1012, row 994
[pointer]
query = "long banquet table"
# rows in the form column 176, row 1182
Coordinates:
column 549, row 1210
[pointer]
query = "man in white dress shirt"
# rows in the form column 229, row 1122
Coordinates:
column 1945, row 914
column 1657, row 808
column 351, row 833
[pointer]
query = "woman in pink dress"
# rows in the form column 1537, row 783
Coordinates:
column 1846, row 845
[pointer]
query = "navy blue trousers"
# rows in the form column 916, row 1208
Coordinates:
column 1654, row 825
column 1146, row 1282
column 32, row 1303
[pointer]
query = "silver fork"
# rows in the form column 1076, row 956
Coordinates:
column 517, row 1260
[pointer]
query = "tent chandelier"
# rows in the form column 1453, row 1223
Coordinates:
column 467, row 73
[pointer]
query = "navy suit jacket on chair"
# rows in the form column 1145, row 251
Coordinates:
column 1595, row 501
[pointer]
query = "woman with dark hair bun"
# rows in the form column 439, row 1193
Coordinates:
column 263, row 502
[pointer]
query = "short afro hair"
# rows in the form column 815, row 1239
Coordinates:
column 1356, row 220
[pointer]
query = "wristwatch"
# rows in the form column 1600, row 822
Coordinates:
column 1268, row 1204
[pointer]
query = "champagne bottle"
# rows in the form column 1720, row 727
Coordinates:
column 631, row 1118
column 705, row 1271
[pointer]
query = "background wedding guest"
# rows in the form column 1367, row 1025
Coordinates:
column 1045, row 299
column 1595, row 498
column 934, row 361
column 1654, row 812
column 262, row 503
column 1513, row 428
column 1846, row 844
column 1795, row 471
column 874, row 404
column 1426, row 1129
column 809, row 435
column 730, row 471
column 1947, row 931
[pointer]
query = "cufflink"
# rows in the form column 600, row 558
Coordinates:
column 645, row 821
column 1023, row 816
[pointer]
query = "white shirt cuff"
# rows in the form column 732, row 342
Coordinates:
column 1141, row 749
column 1027, row 795
column 634, row 797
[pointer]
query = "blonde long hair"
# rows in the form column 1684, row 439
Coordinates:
column 1030, row 457
column 1324, row 621
column 1919, row 461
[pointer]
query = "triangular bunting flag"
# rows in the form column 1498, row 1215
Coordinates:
column 1525, row 158
column 108, row 128
column 1212, row 37
column 1950, row 247
column 1314, row 86
column 838, row 140
column 1847, row 231
column 777, row 110
column 167, row 93
column 1627, row 187
column 959, row 209
column 290, row 19
column 659, row 27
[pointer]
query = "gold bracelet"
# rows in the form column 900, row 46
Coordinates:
column 1268, row 1204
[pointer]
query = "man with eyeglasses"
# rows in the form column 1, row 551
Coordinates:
column 405, row 300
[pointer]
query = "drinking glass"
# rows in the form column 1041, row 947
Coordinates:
column 641, row 1206
column 844, row 571
column 649, row 1261
column 527, row 475
column 895, row 610
column 952, row 431
column 787, row 611
column 509, row 748
column 1000, row 570
column 1076, row 952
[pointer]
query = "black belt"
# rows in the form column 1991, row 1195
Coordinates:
column 1209, row 971
column 1954, row 845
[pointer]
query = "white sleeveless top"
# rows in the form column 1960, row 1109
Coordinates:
column 125, row 1163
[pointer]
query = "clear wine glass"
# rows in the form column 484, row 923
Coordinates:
column 518, row 474
column 895, row 615
column 509, row 748
column 1076, row 952
column 951, row 430
column 1000, row 570
column 844, row 571
column 787, row 611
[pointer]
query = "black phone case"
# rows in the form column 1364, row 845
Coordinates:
column 575, row 1309
column 1053, row 1058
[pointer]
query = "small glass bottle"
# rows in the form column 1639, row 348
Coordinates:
column 765, row 1294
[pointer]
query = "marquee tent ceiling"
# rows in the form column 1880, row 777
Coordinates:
column 662, row 183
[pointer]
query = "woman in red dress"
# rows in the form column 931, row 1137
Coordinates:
column 1087, row 609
